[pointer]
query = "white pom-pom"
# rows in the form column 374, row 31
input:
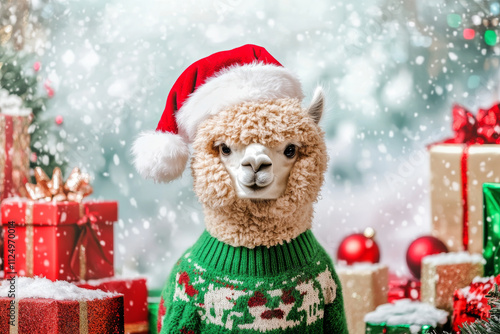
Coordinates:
column 161, row 156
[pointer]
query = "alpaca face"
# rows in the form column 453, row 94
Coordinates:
column 258, row 171
column 271, row 154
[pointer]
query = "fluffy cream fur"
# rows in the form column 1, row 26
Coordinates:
column 250, row 223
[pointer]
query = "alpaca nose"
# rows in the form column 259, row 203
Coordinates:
column 256, row 158
column 257, row 163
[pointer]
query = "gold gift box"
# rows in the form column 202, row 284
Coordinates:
column 364, row 287
column 444, row 273
column 483, row 164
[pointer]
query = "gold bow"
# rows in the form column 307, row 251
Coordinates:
column 76, row 187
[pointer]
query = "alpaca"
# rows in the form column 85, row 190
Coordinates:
column 248, row 216
column 257, row 165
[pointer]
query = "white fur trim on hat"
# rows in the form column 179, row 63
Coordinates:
column 233, row 85
column 161, row 156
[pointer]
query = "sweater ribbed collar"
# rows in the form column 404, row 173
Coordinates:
column 258, row 261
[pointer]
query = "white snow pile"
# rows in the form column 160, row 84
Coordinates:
column 478, row 294
column 407, row 312
column 358, row 267
column 40, row 287
column 453, row 258
column 479, row 279
column 12, row 104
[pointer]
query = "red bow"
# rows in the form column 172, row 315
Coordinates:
column 483, row 129
column 85, row 224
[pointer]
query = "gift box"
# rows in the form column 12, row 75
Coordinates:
column 406, row 317
column 59, row 240
column 470, row 303
column 444, row 273
column 491, row 249
column 135, row 299
column 42, row 306
column 154, row 299
column 459, row 167
column 403, row 287
column 14, row 152
column 364, row 288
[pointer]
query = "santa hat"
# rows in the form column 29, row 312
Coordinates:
column 247, row 73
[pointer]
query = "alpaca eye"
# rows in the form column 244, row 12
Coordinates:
column 225, row 150
column 290, row 151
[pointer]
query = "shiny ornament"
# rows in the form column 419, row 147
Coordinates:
column 420, row 248
column 359, row 247
column 37, row 66
column 59, row 120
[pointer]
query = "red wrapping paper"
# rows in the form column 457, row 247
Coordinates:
column 42, row 316
column 14, row 154
column 403, row 288
column 470, row 303
column 135, row 300
column 47, row 237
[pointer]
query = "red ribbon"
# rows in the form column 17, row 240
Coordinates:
column 470, row 130
column 85, row 224
column 483, row 129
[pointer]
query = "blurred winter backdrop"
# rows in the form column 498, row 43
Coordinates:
column 392, row 70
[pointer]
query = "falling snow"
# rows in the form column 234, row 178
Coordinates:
column 391, row 76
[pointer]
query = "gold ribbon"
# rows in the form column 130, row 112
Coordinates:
column 29, row 238
column 76, row 187
column 138, row 327
column 84, row 318
column 14, row 329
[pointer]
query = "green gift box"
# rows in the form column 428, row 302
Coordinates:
column 491, row 241
column 405, row 316
column 153, row 304
column 398, row 329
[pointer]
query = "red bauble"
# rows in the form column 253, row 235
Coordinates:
column 37, row 66
column 359, row 247
column 59, row 120
column 420, row 248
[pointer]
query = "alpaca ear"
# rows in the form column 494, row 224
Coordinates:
column 315, row 110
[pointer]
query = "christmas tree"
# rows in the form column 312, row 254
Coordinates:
column 20, row 75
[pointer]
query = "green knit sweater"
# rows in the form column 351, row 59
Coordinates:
column 217, row 288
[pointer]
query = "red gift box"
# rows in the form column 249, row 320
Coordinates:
column 59, row 240
column 14, row 154
column 135, row 300
column 39, row 306
column 403, row 287
column 470, row 303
